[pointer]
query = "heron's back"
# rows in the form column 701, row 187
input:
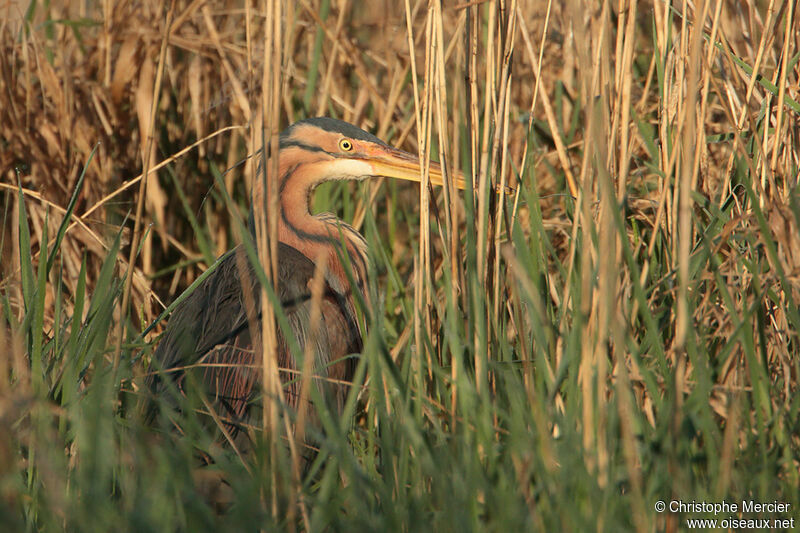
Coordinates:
column 212, row 343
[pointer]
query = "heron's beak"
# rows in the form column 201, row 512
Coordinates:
column 393, row 163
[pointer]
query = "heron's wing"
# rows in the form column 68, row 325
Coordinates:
column 213, row 319
column 210, row 332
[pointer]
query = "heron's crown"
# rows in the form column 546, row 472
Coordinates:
column 332, row 125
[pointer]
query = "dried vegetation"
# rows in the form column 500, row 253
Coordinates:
column 651, row 257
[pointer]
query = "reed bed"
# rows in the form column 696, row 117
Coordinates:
column 620, row 330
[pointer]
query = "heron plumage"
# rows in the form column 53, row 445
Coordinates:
column 216, row 330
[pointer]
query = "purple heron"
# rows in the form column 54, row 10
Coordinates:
column 211, row 331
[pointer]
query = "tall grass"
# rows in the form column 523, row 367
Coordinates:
column 619, row 331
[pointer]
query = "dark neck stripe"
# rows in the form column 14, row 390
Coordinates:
column 357, row 262
column 304, row 234
column 285, row 177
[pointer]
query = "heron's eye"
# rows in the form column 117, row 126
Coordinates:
column 346, row 145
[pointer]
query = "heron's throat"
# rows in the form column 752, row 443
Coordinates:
column 320, row 236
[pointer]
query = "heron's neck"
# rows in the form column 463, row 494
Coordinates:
column 318, row 236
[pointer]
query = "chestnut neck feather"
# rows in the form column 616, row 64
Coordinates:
column 315, row 236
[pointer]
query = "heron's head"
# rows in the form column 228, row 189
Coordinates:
column 325, row 149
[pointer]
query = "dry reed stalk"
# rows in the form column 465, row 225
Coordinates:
column 450, row 236
column 146, row 161
column 422, row 266
column 440, row 106
column 766, row 35
column 267, row 235
column 687, row 125
column 500, row 150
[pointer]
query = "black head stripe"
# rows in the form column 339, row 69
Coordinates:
column 288, row 142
